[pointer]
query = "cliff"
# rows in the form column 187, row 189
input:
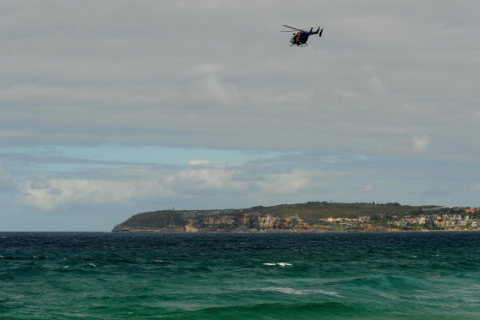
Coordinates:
column 169, row 221
column 311, row 216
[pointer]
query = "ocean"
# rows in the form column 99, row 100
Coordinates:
column 429, row 275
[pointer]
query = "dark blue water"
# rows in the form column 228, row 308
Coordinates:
column 240, row 276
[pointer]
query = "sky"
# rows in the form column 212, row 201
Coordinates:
column 111, row 108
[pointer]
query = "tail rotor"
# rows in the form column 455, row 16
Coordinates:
column 319, row 28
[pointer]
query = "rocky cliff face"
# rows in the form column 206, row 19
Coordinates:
column 168, row 221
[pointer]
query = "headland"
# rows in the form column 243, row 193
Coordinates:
column 308, row 217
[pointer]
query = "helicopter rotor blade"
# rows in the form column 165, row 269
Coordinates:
column 292, row 28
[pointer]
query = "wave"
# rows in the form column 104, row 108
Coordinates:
column 272, row 311
column 281, row 264
column 292, row 291
column 385, row 283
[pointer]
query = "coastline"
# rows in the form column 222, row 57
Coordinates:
column 307, row 217
column 137, row 230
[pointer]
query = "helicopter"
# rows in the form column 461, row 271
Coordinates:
column 300, row 36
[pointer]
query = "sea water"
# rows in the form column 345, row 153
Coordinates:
column 434, row 275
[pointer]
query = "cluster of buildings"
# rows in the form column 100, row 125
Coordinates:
column 439, row 221
column 361, row 219
column 437, row 218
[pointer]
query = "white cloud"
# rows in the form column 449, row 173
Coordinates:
column 476, row 188
column 197, row 179
column 68, row 192
column 287, row 183
column 212, row 89
column 198, row 162
column 377, row 86
column 420, row 143
column 40, row 182
column 367, row 188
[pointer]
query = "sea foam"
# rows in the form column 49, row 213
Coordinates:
column 282, row 264
column 292, row 291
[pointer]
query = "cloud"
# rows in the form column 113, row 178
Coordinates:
column 68, row 192
column 195, row 76
column 439, row 190
column 367, row 188
column 40, row 182
column 420, row 143
column 212, row 90
column 208, row 68
column 377, row 86
column 287, row 183
column 205, row 184
column 123, row 77
column 198, row 162
column 144, row 184
column 475, row 188
column 6, row 182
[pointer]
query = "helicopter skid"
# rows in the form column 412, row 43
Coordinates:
column 299, row 45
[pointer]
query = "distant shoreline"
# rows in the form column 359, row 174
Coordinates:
column 308, row 217
column 281, row 231
column 231, row 232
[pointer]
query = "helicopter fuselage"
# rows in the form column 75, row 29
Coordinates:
column 300, row 36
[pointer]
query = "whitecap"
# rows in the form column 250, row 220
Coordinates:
column 292, row 291
column 283, row 264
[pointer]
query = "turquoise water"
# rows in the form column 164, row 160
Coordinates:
column 240, row 276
